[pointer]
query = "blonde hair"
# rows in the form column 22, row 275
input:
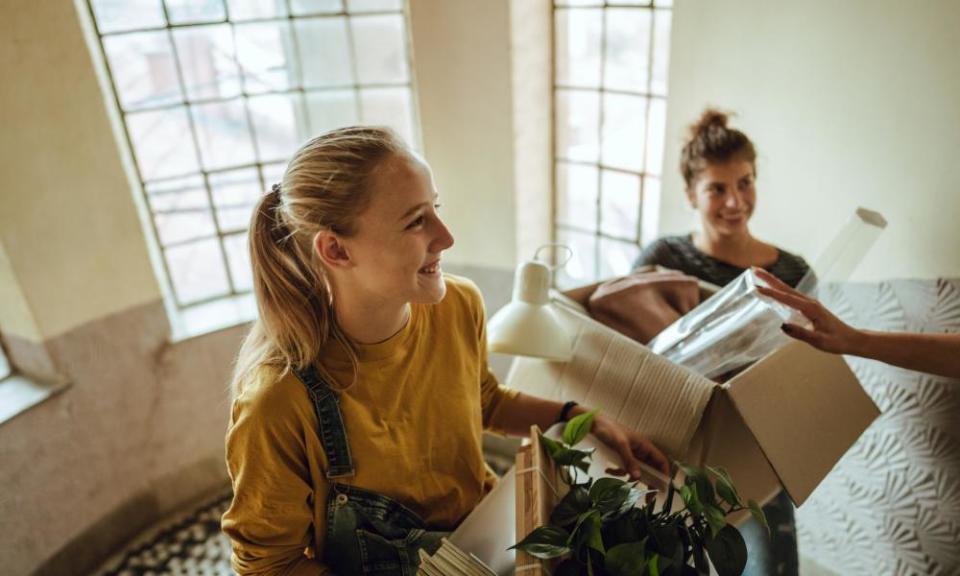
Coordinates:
column 326, row 186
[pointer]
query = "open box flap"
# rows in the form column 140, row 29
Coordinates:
column 724, row 440
column 805, row 408
column 623, row 379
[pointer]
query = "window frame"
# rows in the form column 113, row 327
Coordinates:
column 201, row 315
column 649, row 95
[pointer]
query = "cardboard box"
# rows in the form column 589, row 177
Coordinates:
column 782, row 423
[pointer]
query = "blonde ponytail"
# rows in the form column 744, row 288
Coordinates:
column 325, row 186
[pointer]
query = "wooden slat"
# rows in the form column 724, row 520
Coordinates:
column 537, row 479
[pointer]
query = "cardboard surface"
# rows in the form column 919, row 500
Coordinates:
column 805, row 408
column 723, row 439
column 622, row 378
column 785, row 421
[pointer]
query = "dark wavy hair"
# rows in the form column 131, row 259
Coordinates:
column 712, row 142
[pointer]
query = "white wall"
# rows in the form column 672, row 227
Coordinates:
column 849, row 103
column 461, row 52
column 68, row 224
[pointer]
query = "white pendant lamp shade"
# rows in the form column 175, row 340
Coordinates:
column 528, row 325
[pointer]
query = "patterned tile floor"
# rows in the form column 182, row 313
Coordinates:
column 190, row 545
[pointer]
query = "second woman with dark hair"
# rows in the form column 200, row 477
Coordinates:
column 719, row 169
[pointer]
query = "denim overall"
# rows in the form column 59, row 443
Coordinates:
column 367, row 533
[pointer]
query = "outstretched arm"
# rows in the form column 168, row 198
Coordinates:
column 932, row 353
column 519, row 413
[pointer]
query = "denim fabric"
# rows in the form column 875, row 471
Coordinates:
column 367, row 533
column 333, row 434
column 775, row 555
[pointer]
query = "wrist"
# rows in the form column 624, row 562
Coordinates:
column 858, row 343
column 568, row 411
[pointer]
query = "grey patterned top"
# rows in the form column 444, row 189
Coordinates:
column 679, row 253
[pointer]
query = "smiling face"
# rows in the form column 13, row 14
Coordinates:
column 724, row 195
column 398, row 239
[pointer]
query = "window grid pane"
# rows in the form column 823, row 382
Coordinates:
column 610, row 83
column 216, row 96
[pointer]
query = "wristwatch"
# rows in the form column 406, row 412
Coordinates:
column 565, row 411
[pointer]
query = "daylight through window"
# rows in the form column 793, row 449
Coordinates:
column 217, row 94
column 610, row 87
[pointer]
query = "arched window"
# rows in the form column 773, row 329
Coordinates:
column 216, row 95
column 610, row 87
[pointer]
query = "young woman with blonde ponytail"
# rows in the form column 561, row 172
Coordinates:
column 362, row 390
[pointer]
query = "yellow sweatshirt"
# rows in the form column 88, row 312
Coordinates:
column 413, row 418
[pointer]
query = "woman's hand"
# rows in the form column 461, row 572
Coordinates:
column 516, row 417
column 829, row 333
column 932, row 353
column 633, row 448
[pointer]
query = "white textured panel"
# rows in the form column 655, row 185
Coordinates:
column 892, row 504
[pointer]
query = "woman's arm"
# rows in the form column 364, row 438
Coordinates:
column 517, row 414
column 513, row 413
column 270, row 521
column 932, row 353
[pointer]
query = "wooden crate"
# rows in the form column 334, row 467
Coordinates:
column 539, row 489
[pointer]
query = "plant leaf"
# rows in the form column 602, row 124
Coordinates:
column 553, row 447
column 578, row 427
column 716, row 519
column 628, row 559
column 691, row 500
column 697, row 477
column 667, row 541
column 570, row 457
column 633, row 496
column 570, row 507
column 668, row 503
column 700, row 559
column 758, row 514
column 609, row 494
column 545, row 542
column 602, row 485
column 582, row 465
column 653, row 565
column 728, row 552
column 568, row 567
column 624, row 529
column 725, row 488
column 587, row 532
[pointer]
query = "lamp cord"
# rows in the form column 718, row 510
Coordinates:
column 563, row 247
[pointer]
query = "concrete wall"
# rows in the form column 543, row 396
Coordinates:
column 68, row 223
column 138, row 434
column 849, row 103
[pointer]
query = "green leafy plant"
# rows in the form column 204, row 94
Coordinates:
column 600, row 527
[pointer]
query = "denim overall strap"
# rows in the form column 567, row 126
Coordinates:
column 333, row 434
